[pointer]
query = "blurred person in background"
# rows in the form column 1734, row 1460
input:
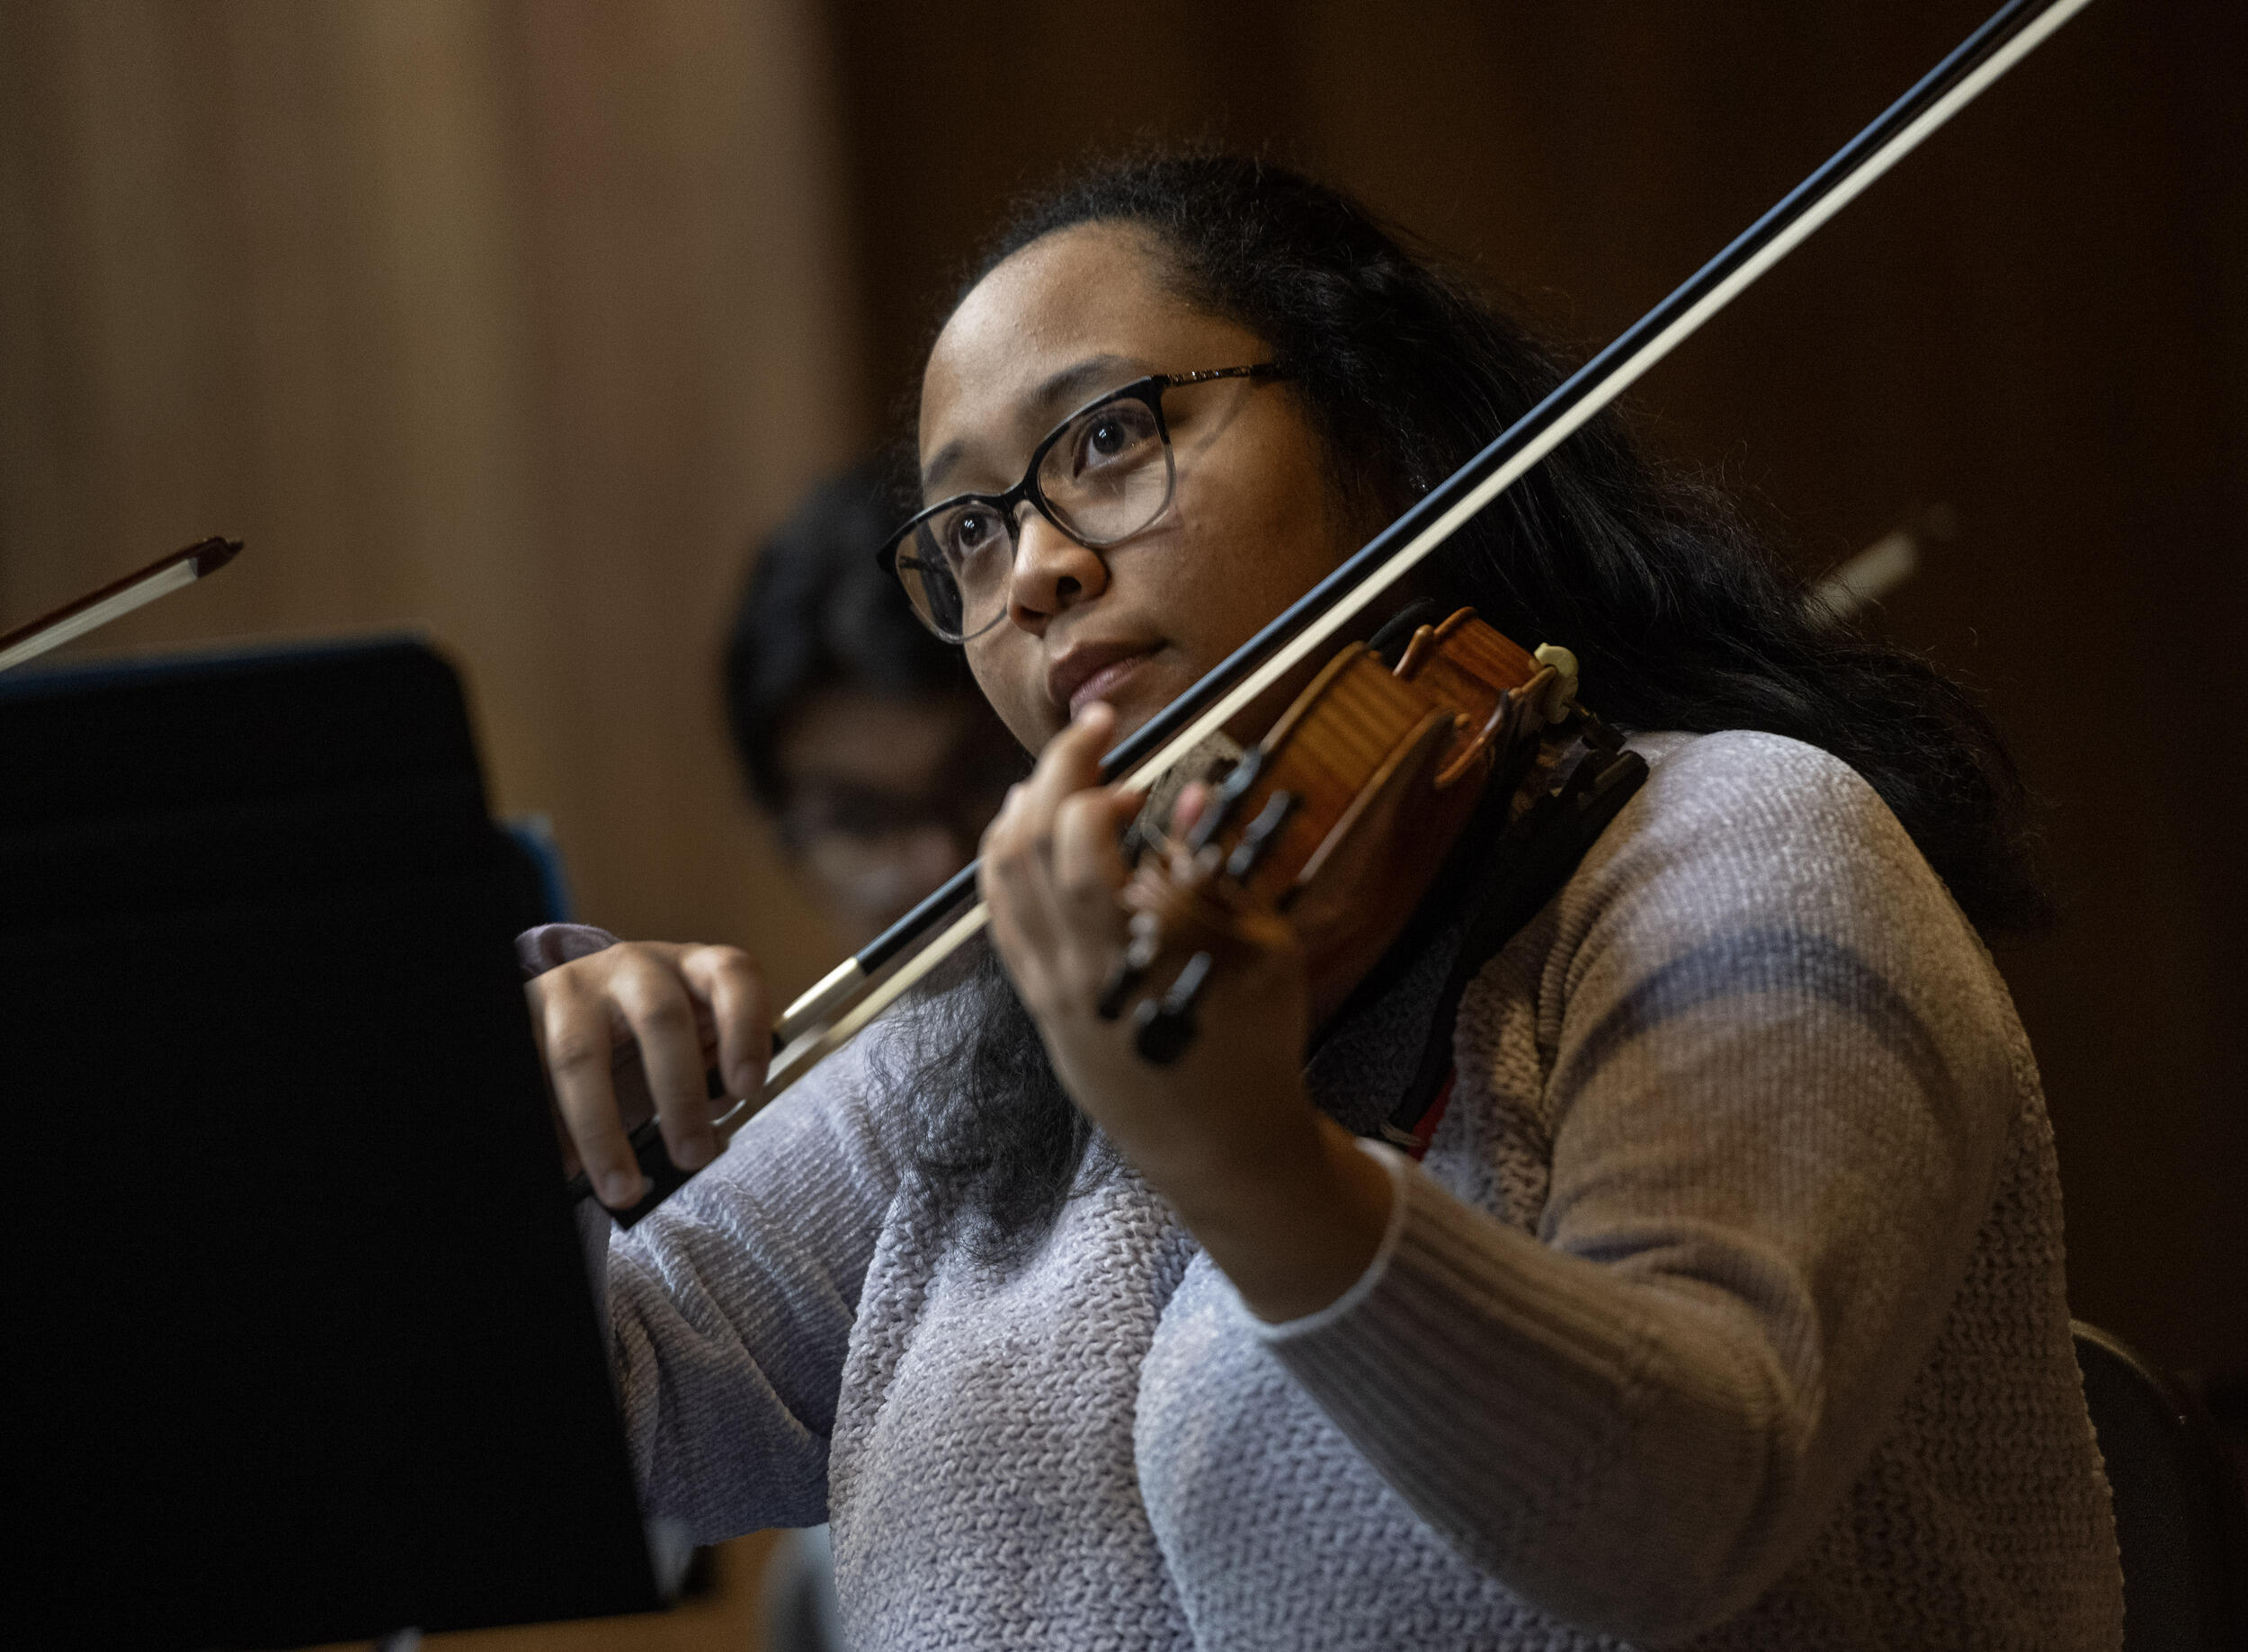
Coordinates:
column 862, row 736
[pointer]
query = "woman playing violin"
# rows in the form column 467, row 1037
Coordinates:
column 1725, row 1305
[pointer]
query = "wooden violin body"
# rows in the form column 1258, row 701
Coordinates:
column 1339, row 819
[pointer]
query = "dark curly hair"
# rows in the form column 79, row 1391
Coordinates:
column 815, row 611
column 1681, row 618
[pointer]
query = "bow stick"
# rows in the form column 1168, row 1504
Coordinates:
column 867, row 983
column 161, row 577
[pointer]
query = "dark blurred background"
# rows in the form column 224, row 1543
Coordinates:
column 523, row 320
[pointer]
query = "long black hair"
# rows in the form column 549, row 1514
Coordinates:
column 817, row 613
column 1681, row 618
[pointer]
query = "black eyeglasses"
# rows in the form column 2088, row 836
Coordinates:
column 1101, row 475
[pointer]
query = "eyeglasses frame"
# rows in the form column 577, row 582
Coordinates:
column 1149, row 391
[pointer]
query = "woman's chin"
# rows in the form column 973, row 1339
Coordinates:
column 1138, row 700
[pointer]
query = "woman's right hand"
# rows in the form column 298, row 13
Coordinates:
column 687, row 1008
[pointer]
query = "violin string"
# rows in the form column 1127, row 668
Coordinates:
column 814, row 1019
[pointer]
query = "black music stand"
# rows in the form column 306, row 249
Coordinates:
column 303, row 1344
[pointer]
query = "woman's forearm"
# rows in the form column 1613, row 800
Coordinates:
column 1293, row 1219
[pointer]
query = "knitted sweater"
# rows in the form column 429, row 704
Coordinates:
column 1726, row 1310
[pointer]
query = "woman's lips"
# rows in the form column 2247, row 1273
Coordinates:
column 1091, row 674
column 1104, row 684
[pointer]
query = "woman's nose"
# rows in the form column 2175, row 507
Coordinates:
column 1052, row 572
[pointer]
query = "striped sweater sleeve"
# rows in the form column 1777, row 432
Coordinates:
column 1775, row 1078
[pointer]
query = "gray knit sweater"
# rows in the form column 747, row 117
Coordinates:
column 1726, row 1309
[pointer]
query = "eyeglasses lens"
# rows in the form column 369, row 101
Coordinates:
column 929, row 579
column 1106, row 476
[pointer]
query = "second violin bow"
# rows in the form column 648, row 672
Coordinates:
column 161, row 577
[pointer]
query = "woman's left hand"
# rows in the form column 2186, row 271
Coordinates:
column 1275, row 1191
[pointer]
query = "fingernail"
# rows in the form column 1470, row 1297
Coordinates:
column 620, row 1190
column 693, row 1154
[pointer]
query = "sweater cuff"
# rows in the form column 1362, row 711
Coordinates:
column 1397, row 1165
column 542, row 949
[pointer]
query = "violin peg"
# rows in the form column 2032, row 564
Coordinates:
column 1563, row 687
column 1260, row 835
column 1163, row 1028
column 1131, row 967
column 1226, row 799
column 1116, row 990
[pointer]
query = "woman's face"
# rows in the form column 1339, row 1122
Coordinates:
column 1250, row 525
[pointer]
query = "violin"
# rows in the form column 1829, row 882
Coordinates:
column 1337, row 819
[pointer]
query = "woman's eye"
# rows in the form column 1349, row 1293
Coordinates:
column 1109, row 437
column 970, row 531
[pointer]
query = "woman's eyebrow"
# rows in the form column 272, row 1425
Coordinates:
column 1060, row 392
column 1054, row 394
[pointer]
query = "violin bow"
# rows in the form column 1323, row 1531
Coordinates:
column 161, row 577
column 863, row 986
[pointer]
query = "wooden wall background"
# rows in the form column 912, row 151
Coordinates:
column 519, row 318
column 509, row 319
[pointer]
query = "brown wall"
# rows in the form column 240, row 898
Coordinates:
column 2040, row 320
column 512, row 320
